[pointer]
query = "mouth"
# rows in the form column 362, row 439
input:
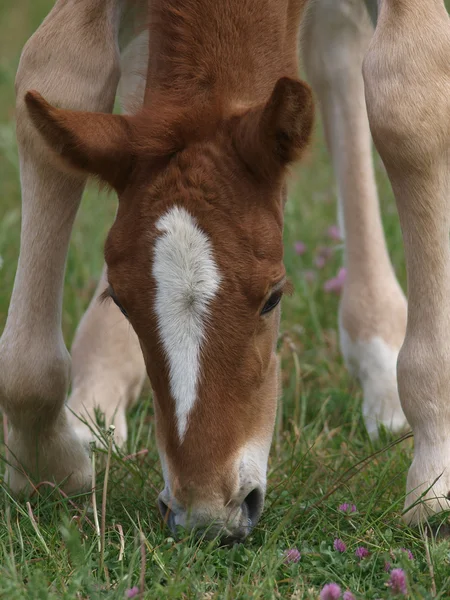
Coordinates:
column 230, row 531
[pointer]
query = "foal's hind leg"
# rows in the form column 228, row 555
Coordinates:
column 108, row 368
column 72, row 60
column 373, row 307
column 407, row 79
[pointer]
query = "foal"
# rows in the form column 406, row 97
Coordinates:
column 194, row 259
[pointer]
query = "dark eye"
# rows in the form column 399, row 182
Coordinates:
column 272, row 302
column 117, row 303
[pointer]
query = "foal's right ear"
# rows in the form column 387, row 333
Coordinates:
column 96, row 143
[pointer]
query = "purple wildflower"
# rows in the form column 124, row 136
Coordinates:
column 397, row 582
column 291, row 556
column 309, row 275
column 300, row 248
column 387, row 566
column 330, row 591
column 320, row 262
column 132, row 592
column 339, row 545
column 335, row 284
column 347, row 508
column 348, row 595
column 333, row 232
column 361, row 552
column 324, row 253
column 408, row 552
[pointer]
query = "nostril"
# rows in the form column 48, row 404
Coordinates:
column 163, row 508
column 253, row 505
column 167, row 515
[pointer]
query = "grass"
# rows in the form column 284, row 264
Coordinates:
column 50, row 548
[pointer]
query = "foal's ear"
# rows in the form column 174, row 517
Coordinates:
column 95, row 143
column 273, row 135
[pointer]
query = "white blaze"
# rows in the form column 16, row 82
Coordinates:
column 187, row 279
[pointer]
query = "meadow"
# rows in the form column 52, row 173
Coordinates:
column 321, row 458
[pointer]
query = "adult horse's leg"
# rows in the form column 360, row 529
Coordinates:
column 373, row 308
column 107, row 368
column 407, row 79
column 72, row 60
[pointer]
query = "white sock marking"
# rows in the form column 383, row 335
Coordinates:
column 187, row 279
column 374, row 363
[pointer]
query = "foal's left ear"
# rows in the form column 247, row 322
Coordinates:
column 95, row 143
column 271, row 136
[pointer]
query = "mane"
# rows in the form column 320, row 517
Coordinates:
column 176, row 46
column 229, row 48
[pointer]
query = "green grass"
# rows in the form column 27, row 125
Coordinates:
column 315, row 463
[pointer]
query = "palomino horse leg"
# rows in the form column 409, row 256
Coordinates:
column 407, row 83
column 72, row 60
column 108, row 368
column 373, row 308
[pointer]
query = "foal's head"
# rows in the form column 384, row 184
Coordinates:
column 195, row 262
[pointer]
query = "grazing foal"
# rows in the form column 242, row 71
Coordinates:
column 194, row 258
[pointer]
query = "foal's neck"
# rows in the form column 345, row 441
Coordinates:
column 234, row 50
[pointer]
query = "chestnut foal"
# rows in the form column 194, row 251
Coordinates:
column 194, row 258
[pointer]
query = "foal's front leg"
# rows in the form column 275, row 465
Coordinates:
column 372, row 319
column 71, row 60
column 407, row 79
